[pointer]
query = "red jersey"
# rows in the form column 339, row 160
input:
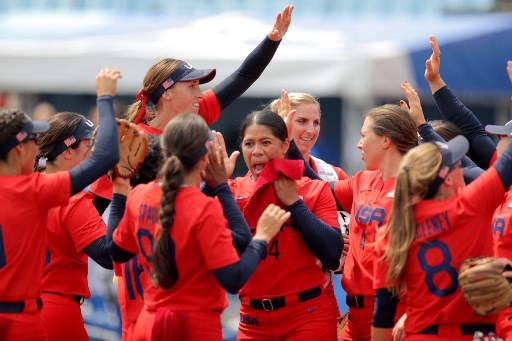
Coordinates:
column 290, row 266
column 447, row 232
column 71, row 229
column 25, row 201
column 202, row 239
column 501, row 228
column 209, row 109
column 370, row 199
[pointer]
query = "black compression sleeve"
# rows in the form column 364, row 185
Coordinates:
column 106, row 150
column 324, row 241
column 99, row 253
column 207, row 190
column 234, row 276
column 118, row 254
column 385, row 309
column 482, row 146
column 239, row 81
column 236, row 222
column 294, row 153
column 100, row 203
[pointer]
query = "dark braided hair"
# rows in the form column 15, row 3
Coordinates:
column 183, row 136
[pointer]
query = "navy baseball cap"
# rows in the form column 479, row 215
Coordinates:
column 184, row 72
column 452, row 153
column 30, row 130
column 84, row 130
column 503, row 130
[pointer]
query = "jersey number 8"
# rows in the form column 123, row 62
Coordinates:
column 432, row 270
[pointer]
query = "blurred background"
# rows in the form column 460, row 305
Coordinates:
column 352, row 54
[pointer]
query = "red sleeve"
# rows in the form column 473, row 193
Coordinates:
column 54, row 189
column 341, row 173
column 488, row 183
column 209, row 107
column 82, row 221
column 380, row 266
column 325, row 206
column 102, row 188
column 343, row 192
column 124, row 235
column 214, row 238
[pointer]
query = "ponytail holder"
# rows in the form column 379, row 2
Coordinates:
column 41, row 163
column 142, row 96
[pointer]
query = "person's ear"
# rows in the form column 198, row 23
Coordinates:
column 286, row 146
column 386, row 142
column 167, row 95
column 66, row 154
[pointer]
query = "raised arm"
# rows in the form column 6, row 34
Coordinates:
column 253, row 66
column 106, row 150
column 482, row 147
column 428, row 134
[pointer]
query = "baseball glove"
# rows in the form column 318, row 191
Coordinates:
column 483, row 285
column 133, row 145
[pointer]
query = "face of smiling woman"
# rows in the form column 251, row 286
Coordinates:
column 306, row 127
column 259, row 146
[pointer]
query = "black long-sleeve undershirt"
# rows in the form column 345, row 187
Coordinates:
column 240, row 231
column 106, row 150
column 385, row 309
column 98, row 251
column 242, row 78
column 234, row 276
column 482, row 146
column 323, row 240
column 118, row 254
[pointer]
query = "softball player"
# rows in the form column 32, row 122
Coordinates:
column 130, row 294
column 436, row 223
column 172, row 86
column 25, row 201
column 75, row 231
column 388, row 132
column 185, row 242
column 500, row 227
column 304, row 128
column 284, row 299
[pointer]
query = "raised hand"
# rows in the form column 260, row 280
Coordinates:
column 283, row 20
column 229, row 161
column 215, row 172
column 414, row 107
column 270, row 222
column 433, row 65
column 106, row 81
column 284, row 109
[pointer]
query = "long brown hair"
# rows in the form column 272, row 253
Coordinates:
column 418, row 169
column 183, row 136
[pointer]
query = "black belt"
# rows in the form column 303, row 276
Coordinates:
column 465, row 329
column 358, row 301
column 17, row 306
column 77, row 298
column 270, row 304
